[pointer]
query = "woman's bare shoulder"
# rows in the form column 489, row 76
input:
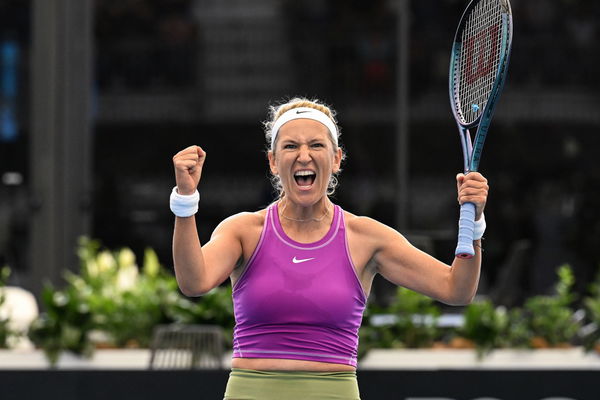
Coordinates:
column 360, row 224
column 243, row 221
column 369, row 229
column 246, row 228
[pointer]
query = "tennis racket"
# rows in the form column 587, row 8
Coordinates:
column 478, row 67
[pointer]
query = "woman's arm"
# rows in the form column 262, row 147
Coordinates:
column 405, row 265
column 199, row 268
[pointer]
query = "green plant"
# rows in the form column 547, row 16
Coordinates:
column 107, row 296
column 490, row 327
column 127, row 303
column 550, row 318
column 112, row 302
column 65, row 325
column 417, row 323
column 216, row 308
column 413, row 323
column 485, row 325
column 591, row 334
column 517, row 334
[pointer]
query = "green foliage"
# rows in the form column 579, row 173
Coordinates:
column 518, row 335
column 485, row 325
column 64, row 325
column 213, row 308
column 112, row 296
column 491, row 327
column 551, row 317
column 125, row 303
column 114, row 299
column 414, row 325
column 591, row 337
column 417, row 318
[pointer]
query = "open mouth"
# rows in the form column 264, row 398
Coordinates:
column 305, row 177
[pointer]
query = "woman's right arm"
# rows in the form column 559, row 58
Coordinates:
column 198, row 268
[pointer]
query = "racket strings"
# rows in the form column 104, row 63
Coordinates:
column 481, row 42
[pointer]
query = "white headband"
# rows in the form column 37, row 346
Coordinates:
column 306, row 113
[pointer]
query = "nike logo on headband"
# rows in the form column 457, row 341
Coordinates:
column 311, row 113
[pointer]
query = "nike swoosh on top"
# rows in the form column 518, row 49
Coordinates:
column 297, row 261
column 301, row 112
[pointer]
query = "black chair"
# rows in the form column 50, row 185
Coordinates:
column 187, row 347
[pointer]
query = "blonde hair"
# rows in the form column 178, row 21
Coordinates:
column 276, row 111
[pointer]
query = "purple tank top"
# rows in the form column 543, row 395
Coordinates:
column 300, row 301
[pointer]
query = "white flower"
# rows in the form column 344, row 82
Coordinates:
column 92, row 268
column 106, row 262
column 126, row 257
column 127, row 277
column 60, row 299
column 151, row 263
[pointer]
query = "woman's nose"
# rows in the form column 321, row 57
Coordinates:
column 304, row 153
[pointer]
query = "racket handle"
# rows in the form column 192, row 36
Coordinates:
column 466, row 226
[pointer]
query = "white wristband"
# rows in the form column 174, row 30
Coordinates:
column 479, row 228
column 184, row 205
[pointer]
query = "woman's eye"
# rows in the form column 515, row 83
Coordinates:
column 289, row 146
column 318, row 145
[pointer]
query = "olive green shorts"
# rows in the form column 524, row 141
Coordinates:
column 247, row 384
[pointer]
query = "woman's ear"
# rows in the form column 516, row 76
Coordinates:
column 272, row 165
column 337, row 160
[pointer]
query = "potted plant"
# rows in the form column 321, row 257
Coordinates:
column 111, row 302
column 484, row 326
column 550, row 319
column 108, row 297
column 591, row 332
column 411, row 321
column 128, row 301
column 65, row 325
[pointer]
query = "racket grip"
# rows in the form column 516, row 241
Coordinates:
column 466, row 226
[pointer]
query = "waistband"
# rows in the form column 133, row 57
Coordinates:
column 247, row 384
column 293, row 374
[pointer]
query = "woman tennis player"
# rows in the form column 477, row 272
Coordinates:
column 302, row 268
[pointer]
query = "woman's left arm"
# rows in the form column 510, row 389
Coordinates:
column 403, row 264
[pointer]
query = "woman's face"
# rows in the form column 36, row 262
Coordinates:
column 304, row 158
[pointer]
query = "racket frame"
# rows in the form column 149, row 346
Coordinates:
column 472, row 149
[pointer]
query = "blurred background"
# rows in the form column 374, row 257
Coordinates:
column 97, row 96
